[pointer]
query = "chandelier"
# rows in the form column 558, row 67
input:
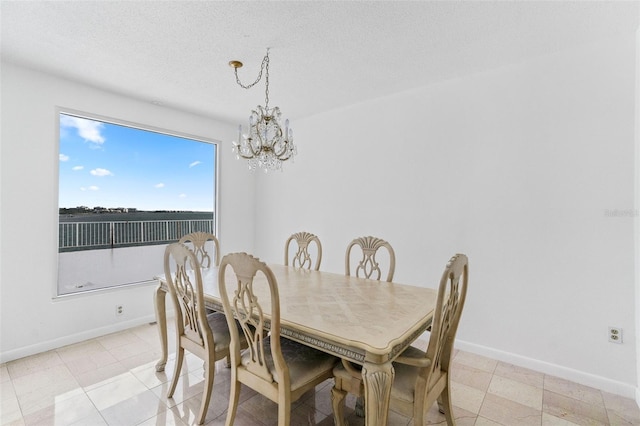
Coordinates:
column 265, row 145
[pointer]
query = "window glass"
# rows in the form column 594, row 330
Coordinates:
column 125, row 192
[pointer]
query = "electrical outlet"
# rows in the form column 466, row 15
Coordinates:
column 119, row 310
column 615, row 335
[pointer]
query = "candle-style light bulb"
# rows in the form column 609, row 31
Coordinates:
column 239, row 133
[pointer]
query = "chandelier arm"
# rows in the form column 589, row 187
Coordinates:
column 281, row 156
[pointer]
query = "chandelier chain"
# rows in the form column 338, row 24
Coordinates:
column 263, row 66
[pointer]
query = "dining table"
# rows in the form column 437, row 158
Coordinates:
column 364, row 321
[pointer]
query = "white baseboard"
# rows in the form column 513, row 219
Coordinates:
column 74, row 338
column 626, row 390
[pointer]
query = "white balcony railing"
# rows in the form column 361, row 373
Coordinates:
column 96, row 235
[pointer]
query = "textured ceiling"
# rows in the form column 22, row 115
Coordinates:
column 324, row 55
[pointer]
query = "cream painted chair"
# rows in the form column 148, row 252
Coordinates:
column 421, row 378
column 280, row 369
column 198, row 242
column 206, row 336
column 368, row 266
column 302, row 258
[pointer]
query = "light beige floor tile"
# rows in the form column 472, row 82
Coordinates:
column 149, row 333
column 549, row 420
column 573, row 390
column 481, row 421
column 466, row 397
column 100, row 376
column 142, row 358
column 507, row 412
column 134, row 410
column 148, row 375
column 124, row 386
column 462, row 417
column 6, row 390
column 43, row 378
column 71, row 410
column 621, row 411
column 115, row 340
column 470, row 376
column 4, row 374
column 476, row 361
column 130, row 391
column 261, row 409
column 319, row 399
column 130, row 349
column 171, row 417
column 189, row 385
column 32, row 364
column 574, row 410
column 93, row 420
column 10, row 411
column 521, row 393
column 242, row 418
column 520, row 374
column 72, row 353
column 80, row 364
column 44, row 388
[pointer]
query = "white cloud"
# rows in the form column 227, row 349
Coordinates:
column 76, row 168
column 89, row 130
column 101, row 172
column 64, row 157
column 91, row 188
column 182, row 195
column 195, row 163
column 159, row 185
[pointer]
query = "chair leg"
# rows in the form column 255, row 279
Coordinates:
column 176, row 371
column 209, row 372
column 234, row 396
column 337, row 401
column 360, row 410
column 447, row 409
column 284, row 411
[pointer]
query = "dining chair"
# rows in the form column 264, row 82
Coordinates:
column 199, row 242
column 421, row 378
column 278, row 368
column 205, row 335
column 302, row 258
column 368, row 266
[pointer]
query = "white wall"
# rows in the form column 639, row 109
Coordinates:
column 515, row 167
column 31, row 321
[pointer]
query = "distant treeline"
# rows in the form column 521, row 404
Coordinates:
column 137, row 215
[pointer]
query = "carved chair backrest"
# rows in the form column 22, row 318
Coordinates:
column 302, row 258
column 254, row 314
column 452, row 293
column 368, row 266
column 182, row 272
column 198, row 242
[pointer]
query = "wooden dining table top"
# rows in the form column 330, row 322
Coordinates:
column 355, row 318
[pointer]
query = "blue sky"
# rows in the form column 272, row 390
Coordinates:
column 108, row 165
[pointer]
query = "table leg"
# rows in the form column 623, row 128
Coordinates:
column 161, row 318
column 378, row 379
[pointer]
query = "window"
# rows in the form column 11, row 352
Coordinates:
column 125, row 191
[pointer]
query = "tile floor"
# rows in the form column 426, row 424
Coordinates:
column 111, row 380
